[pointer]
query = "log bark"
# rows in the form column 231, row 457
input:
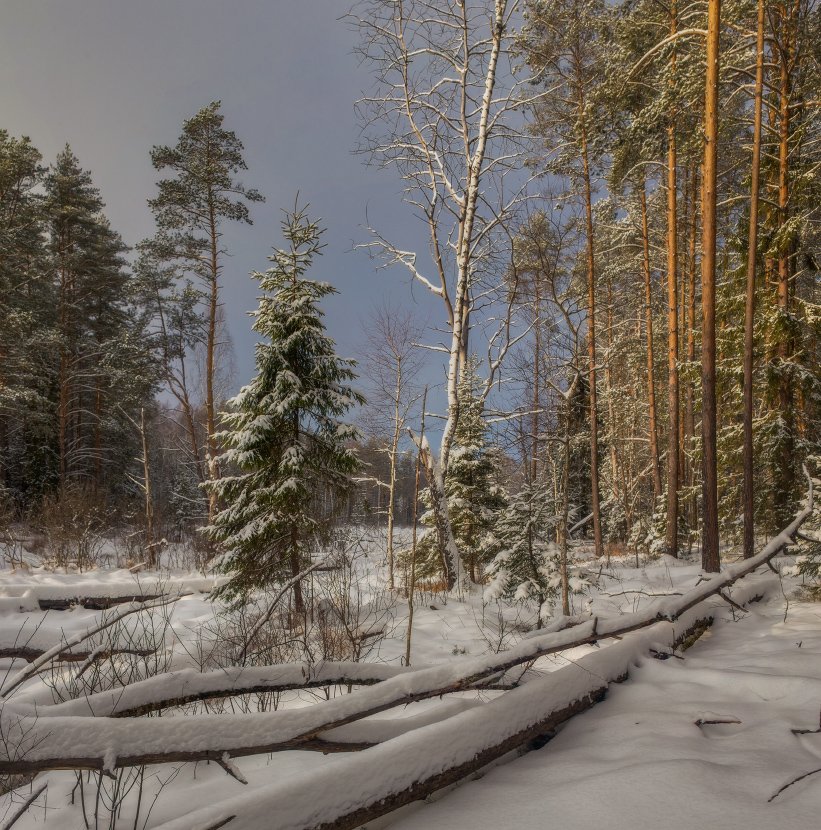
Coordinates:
column 92, row 603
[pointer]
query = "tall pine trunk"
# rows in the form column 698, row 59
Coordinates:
column 210, row 406
column 710, row 559
column 591, row 338
column 672, row 326
column 651, row 381
column 690, row 407
column 785, row 461
column 749, row 306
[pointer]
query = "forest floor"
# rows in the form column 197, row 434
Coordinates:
column 641, row 759
column 702, row 738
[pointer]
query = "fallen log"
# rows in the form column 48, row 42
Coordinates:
column 101, row 603
column 107, row 743
column 9, row 685
column 30, row 654
column 186, row 686
column 414, row 765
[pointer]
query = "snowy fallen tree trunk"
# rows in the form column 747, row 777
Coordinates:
column 9, row 685
column 92, row 603
column 58, row 742
column 414, row 765
column 186, row 686
column 30, row 654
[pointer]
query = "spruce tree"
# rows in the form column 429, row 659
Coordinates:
column 474, row 497
column 283, row 432
column 475, row 500
column 527, row 565
column 809, row 559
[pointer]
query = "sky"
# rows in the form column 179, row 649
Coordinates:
column 112, row 78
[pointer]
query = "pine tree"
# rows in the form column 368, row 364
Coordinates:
column 283, row 431
column 190, row 210
column 103, row 365
column 27, row 301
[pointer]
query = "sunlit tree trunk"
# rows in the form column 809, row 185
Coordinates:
column 648, row 313
column 591, row 338
column 710, row 558
column 672, row 327
column 690, row 414
column 749, row 308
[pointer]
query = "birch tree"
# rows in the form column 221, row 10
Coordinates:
column 442, row 114
column 391, row 365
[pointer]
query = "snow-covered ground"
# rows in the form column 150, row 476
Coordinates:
column 637, row 759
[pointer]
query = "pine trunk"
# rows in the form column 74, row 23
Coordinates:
column 710, row 558
column 591, row 341
column 749, row 307
column 672, row 328
column 786, row 403
column 651, row 382
column 210, row 406
column 690, row 410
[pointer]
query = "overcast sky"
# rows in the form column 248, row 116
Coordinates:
column 114, row 77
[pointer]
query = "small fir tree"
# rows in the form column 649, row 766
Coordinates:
column 809, row 559
column 528, row 566
column 283, row 432
column 475, row 499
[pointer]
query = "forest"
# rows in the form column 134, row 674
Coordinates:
column 582, row 426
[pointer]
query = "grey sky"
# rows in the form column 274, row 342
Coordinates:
column 114, row 77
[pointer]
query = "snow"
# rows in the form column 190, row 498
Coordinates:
column 27, row 587
column 637, row 759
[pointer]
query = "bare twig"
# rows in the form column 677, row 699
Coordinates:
column 21, row 809
column 790, row 783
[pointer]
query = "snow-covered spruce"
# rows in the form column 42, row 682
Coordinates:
column 528, row 565
column 474, row 498
column 287, row 460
